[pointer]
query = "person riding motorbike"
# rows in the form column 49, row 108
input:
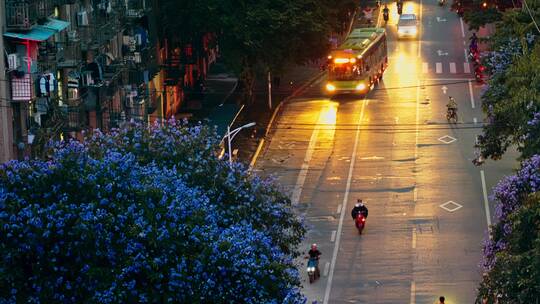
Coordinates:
column 314, row 253
column 359, row 207
column 452, row 106
column 386, row 13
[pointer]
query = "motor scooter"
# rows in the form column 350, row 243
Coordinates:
column 360, row 222
column 313, row 270
column 386, row 16
column 451, row 115
column 442, row 2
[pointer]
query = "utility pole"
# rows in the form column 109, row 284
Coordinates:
column 6, row 114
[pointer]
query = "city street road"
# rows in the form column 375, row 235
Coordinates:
column 429, row 207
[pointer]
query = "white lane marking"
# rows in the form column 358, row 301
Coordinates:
column 466, row 67
column 420, row 30
column 415, row 194
column 414, row 238
column 345, row 199
column 416, row 122
column 462, row 27
column 413, row 292
column 305, row 166
column 326, row 266
column 438, row 67
column 475, row 120
column 466, row 55
column 338, row 209
column 424, row 67
column 452, row 67
column 486, row 202
column 333, row 237
column 472, row 95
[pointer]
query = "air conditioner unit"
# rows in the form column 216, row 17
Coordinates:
column 82, row 18
column 13, row 61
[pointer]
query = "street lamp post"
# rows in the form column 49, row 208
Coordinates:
column 231, row 134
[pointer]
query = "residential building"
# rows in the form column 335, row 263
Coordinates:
column 76, row 65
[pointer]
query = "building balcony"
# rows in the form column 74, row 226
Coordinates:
column 23, row 14
column 69, row 54
column 137, row 8
column 76, row 115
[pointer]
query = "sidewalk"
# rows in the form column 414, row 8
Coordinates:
column 211, row 105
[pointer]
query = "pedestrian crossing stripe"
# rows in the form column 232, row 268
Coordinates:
column 450, row 67
column 438, row 68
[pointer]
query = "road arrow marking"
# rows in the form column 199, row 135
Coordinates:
column 451, row 206
column 439, row 19
column 447, row 139
column 444, row 89
column 441, row 53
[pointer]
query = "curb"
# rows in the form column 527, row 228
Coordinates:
column 277, row 109
column 294, row 94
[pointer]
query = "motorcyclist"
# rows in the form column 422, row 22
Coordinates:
column 359, row 207
column 441, row 300
column 386, row 12
column 314, row 253
column 452, row 105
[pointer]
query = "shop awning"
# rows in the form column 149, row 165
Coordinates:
column 55, row 24
column 37, row 33
column 40, row 32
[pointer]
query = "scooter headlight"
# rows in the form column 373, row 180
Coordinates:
column 311, row 269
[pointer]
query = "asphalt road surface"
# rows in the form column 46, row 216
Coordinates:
column 429, row 206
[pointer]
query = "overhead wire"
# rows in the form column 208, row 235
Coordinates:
column 531, row 15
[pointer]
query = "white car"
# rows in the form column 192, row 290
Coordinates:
column 407, row 26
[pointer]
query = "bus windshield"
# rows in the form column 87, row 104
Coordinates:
column 343, row 72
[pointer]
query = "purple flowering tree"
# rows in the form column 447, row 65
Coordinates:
column 512, row 97
column 512, row 252
column 144, row 215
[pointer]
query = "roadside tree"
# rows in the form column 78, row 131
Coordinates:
column 144, row 215
column 511, row 261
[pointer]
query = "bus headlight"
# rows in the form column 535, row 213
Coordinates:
column 330, row 87
column 360, row 87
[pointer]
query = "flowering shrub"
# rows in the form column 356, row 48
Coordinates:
column 514, row 245
column 144, row 215
column 512, row 97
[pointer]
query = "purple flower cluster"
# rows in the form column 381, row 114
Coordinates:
column 509, row 194
column 144, row 215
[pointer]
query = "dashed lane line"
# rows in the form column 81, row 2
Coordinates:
column 345, row 200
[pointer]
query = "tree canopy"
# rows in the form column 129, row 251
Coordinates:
column 258, row 35
column 144, row 215
column 512, row 96
column 512, row 253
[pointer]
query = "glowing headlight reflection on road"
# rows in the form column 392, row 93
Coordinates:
column 329, row 114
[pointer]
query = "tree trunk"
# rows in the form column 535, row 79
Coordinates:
column 247, row 78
